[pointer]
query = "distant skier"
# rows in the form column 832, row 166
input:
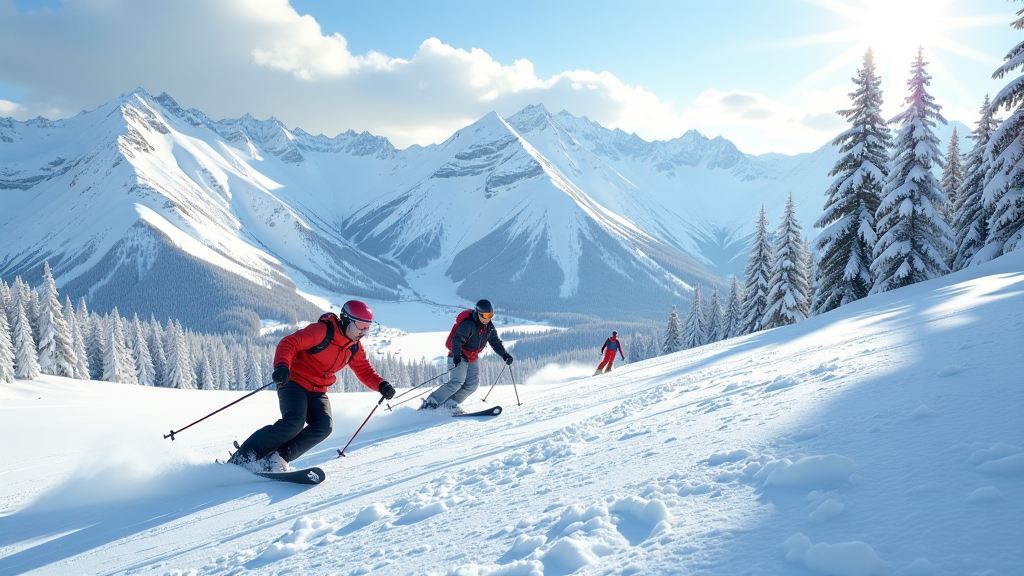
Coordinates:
column 305, row 366
column 472, row 331
column 610, row 347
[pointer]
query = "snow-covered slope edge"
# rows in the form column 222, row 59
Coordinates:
column 881, row 438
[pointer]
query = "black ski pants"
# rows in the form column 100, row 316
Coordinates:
column 305, row 422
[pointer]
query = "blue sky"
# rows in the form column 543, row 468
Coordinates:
column 766, row 75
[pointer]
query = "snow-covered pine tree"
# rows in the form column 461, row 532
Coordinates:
column 733, row 311
column 241, row 377
column 143, row 361
column 77, row 341
column 32, row 308
column 6, row 304
column 267, row 363
column 56, row 354
column 715, row 317
column 808, row 263
column 227, row 371
column 21, row 294
column 913, row 238
column 155, row 340
column 848, row 238
column 189, row 365
column 1004, row 181
column 204, row 374
column 253, row 368
column 129, row 339
column 757, row 274
column 6, row 347
column 951, row 183
column 952, row 175
column 95, row 345
column 84, row 325
column 117, row 362
column 26, row 361
column 788, row 287
column 673, row 333
column 178, row 369
column 218, row 364
column 970, row 215
column 695, row 324
column 638, row 348
column 213, row 357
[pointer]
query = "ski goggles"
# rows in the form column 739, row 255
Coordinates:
column 486, row 315
column 361, row 325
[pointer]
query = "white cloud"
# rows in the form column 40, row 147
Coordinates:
column 760, row 124
column 10, row 109
column 230, row 57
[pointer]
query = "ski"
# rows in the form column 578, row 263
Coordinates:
column 304, row 476
column 313, row 475
column 310, row 476
column 486, row 412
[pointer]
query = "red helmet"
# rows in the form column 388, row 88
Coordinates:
column 357, row 310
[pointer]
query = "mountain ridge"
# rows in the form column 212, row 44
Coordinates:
column 543, row 212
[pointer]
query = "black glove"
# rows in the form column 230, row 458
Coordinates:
column 386, row 390
column 508, row 359
column 280, row 374
column 456, row 360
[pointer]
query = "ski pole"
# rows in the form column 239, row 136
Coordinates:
column 173, row 432
column 484, row 399
column 341, row 453
column 513, row 376
column 397, row 404
column 415, row 387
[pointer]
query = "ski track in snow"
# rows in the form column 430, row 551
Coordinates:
column 857, row 445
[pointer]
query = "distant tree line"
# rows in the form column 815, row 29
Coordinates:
column 39, row 335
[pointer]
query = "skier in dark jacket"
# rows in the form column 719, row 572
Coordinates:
column 611, row 346
column 473, row 330
column 304, row 367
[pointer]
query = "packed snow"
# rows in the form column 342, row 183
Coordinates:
column 886, row 437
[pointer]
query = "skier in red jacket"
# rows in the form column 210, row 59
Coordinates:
column 304, row 367
column 610, row 347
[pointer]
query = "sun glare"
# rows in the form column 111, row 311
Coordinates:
column 894, row 29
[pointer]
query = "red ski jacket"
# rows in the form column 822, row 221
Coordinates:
column 315, row 372
column 612, row 345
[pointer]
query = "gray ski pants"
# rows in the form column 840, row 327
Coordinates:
column 463, row 380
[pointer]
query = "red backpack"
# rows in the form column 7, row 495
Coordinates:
column 458, row 320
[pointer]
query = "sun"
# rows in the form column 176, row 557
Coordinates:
column 894, row 30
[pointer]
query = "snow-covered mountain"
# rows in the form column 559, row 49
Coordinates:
column 142, row 205
column 505, row 221
column 157, row 209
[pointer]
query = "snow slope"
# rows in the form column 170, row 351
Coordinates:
column 883, row 438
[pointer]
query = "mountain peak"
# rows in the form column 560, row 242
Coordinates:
column 490, row 124
column 138, row 93
column 534, row 110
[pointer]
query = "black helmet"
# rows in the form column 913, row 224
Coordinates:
column 484, row 306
